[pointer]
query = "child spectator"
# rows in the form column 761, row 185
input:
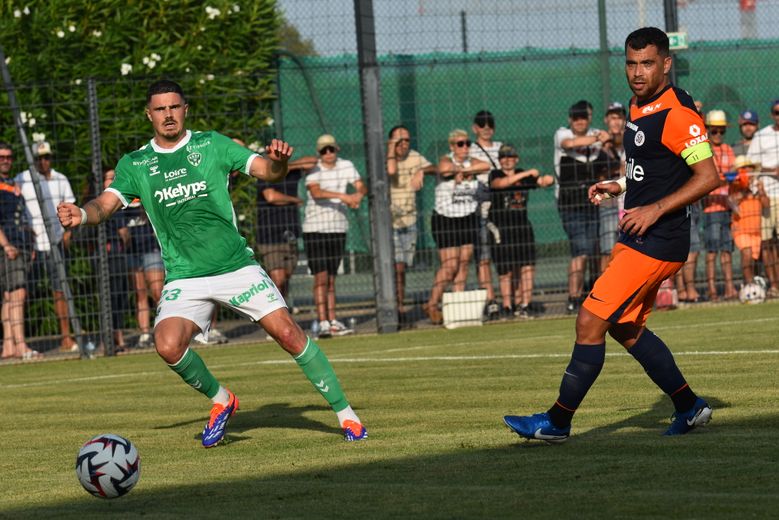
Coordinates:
column 748, row 195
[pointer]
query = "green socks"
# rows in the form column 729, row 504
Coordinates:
column 318, row 370
column 194, row 372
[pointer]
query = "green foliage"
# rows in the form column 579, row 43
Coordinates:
column 221, row 51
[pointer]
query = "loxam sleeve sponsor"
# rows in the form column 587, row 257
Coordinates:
column 684, row 133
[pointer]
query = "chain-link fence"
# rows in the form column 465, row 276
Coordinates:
column 443, row 65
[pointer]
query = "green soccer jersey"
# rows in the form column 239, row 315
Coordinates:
column 184, row 190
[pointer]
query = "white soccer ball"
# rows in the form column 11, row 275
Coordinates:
column 751, row 293
column 108, row 466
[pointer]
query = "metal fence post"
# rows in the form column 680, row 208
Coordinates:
column 381, row 222
column 104, row 286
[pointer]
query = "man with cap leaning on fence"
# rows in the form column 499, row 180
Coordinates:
column 748, row 122
column 764, row 151
column 55, row 188
column 716, row 210
column 325, row 224
column 578, row 163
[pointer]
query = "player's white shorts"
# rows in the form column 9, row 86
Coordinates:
column 249, row 291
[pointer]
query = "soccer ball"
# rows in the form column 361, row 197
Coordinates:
column 108, row 466
column 751, row 293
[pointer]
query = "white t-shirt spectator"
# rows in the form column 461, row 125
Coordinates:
column 329, row 215
column 456, row 200
column 491, row 158
column 55, row 189
column 764, row 149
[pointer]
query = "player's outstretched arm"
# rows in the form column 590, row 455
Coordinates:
column 94, row 212
column 272, row 167
column 606, row 190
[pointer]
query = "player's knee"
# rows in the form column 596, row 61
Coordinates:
column 291, row 338
column 170, row 347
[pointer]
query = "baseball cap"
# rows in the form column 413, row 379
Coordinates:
column 484, row 118
column 507, row 151
column 581, row 108
column 716, row 118
column 41, row 148
column 616, row 107
column 748, row 116
column 325, row 140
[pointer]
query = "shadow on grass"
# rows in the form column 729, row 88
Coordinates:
column 623, row 470
column 277, row 415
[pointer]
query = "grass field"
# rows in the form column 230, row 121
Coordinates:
column 433, row 402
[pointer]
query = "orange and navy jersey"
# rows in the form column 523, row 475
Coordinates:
column 662, row 136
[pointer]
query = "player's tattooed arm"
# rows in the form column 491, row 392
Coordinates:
column 94, row 212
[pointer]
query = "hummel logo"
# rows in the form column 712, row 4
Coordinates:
column 196, row 385
column 322, row 386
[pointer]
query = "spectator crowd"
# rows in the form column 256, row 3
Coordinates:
column 480, row 222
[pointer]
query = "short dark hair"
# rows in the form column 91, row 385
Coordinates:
column 397, row 127
column 164, row 86
column 5, row 146
column 483, row 118
column 581, row 108
column 640, row 38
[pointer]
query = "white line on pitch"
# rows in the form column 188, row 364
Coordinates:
column 377, row 360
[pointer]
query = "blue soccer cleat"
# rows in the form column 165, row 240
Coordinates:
column 354, row 431
column 683, row 422
column 214, row 430
column 538, row 426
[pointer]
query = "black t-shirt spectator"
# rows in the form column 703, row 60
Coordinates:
column 509, row 205
column 278, row 224
column 13, row 217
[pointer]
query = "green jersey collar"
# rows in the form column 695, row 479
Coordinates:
column 178, row 146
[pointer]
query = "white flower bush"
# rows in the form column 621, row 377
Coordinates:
column 126, row 69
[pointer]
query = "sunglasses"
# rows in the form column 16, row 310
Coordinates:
column 776, row 112
column 460, row 144
column 717, row 131
column 486, row 124
column 327, row 149
column 6, row 157
column 508, row 157
column 403, row 140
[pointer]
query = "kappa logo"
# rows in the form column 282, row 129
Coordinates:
column 640, row 138
column 651, row 108
column 250, row 293
column 194, row 159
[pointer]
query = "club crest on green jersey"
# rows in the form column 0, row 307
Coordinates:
column 194, row 158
